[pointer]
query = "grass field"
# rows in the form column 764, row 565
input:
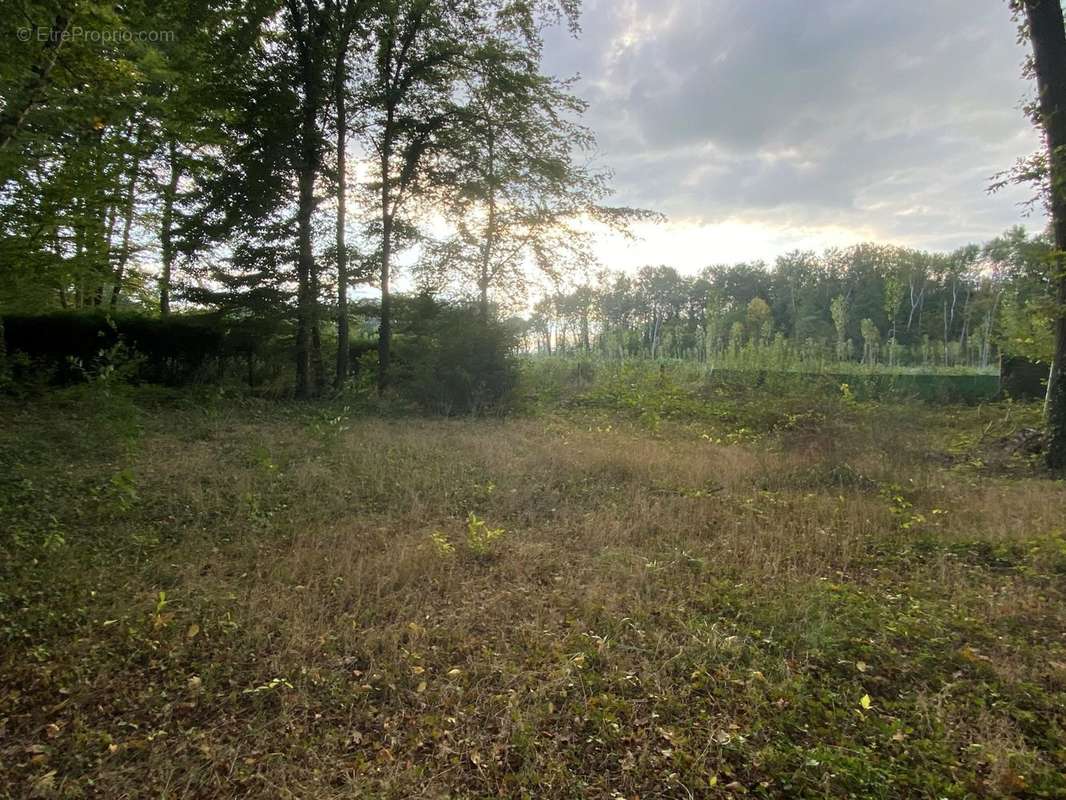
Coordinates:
column 692, row 595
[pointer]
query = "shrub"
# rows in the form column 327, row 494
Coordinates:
column 452, row 362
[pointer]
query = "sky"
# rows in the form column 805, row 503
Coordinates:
column 763, row 126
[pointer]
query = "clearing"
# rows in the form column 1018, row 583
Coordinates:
column 206, row 597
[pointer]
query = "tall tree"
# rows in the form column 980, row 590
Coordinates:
column 166, row 226
column 521, row 194
column 1048, row 36
column 347, row 15
column 191, row 96
column 309, row 26
column 418, row 51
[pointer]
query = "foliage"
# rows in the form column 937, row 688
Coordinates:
column 181, row 158
column 171, row 350
column 904, row 308
column 450, row 361
column 480, row 538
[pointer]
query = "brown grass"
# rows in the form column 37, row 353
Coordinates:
column 664, row 617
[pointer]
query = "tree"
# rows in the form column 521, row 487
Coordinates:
column 759, row 320
column 893, row 298
column 840, row 311
column 871, row 341
column 418, row 50
column 522, row 198
column 244, row 216
column 73, row 134
column 308, row 25
column 1048, row 36
column 190, row 98
column 661, row 294
column 348, row 14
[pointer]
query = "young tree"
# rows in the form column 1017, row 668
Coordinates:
column 839, row 308
column 893, row 297
column 871, row 341
column 759, row 320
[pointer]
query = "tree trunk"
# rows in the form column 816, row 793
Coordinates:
column 166, row 232
column 303, row 295
column 318, row 369
column 303, row 298
column 490, row 236
column 385, row 324
column 127, row 223
column 915, row 303
column 310, row 157
column 343, row 366
column 1048, row 35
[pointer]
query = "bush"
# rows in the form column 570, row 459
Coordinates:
column 452, row 362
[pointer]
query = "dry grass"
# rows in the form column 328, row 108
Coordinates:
column 665, row 616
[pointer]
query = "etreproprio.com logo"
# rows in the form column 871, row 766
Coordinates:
column 76, row 33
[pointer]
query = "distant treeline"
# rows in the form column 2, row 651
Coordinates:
column 214, row 171
column 862, row 306
column 873, row 304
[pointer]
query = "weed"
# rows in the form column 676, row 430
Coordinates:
column 441, row 544
column 481, row 540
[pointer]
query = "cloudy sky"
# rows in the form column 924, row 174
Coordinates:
column 759, row 126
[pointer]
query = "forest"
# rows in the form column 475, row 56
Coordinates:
column 864, row 304
column 339, row 459
column 419, row 131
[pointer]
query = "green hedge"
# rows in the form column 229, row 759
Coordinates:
column 64, row 345
column 931, row 387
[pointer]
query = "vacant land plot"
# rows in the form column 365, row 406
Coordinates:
column 209, row 598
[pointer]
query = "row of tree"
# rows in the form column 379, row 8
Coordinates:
column 870, row 303
column 268, row 154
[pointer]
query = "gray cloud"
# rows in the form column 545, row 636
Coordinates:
column 888, row 115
